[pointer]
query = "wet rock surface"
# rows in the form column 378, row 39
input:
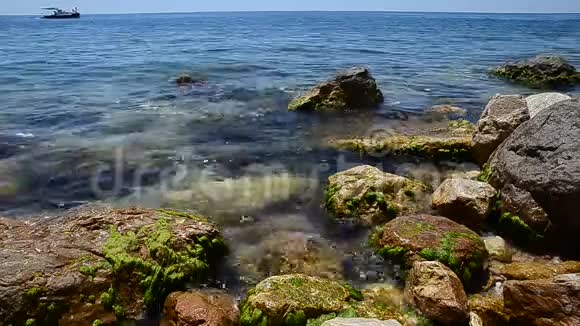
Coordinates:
column 535, row 270
column 427, row 237
column 102, row 264
column 351, row 89
column 437, row 292
column 490, row 308
column 200, row 308
column 537, row 171
column 540, row 72
column 368, row 196
column 501, row 116
column 465, row 201
column 553, row 301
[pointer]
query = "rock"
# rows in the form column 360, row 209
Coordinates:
column 497, row 249
column 284, row 252
column 553, row 301
column 95, row 263
column 538, row 102
column 540, row 72
column 351, row 89
column 502, row 115
column 536, row 270
column 203, row 308
column 184, row 80
column 427, row 237
column 465, row 201
column 370, row 196
column 538, row 173
column 489, row 308
column 437, row 292
column 360, row 322
column 451, row 140
column 475, row 320
column 293, row 299
column 443, row 112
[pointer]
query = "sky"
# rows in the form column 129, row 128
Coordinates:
column 142, row 6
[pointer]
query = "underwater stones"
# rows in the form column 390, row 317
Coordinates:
column 498, row 249
column 200, row 308
column 539, row 102
column 99, row 263
column 540, row 72
column 360, row 322
column 554, row 301
column 370, row 196
column 443, row 112
column 465, row 201
column 535, row 270
column 293, row 299
column 437, row 292
column 501, row 116
column 184, row 80
column 537, row 169
column 351, row 89
column 433, row 238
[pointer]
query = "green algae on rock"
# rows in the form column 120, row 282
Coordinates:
column 427, row 237
column 110, row 263
column 294, row 299
column 540, row 72
column 370, row 196
column 352, row 89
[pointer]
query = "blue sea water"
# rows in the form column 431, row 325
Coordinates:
column 91, row 104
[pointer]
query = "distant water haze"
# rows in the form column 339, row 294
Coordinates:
column 152, row 6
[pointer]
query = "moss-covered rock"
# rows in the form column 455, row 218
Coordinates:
column 369, row 196
column 293, row 299
column 351, row 89
column 540, row 72
column 98, row 263
column 427, row 237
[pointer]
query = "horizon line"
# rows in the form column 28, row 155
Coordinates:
column 323, row 10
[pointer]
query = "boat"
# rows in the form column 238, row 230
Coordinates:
column 58, row 13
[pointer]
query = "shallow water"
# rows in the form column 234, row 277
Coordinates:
column 90, row 110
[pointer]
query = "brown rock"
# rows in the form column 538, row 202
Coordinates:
column 465, row 201
column 502, row 115
column 437, row 292
column 536, row 270
column 443, row 112
column 489, row 308
column 553, row 301
column 202, row 308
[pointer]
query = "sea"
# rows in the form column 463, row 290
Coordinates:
column 90, row 111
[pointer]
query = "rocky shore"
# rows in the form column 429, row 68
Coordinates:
column 495, row 247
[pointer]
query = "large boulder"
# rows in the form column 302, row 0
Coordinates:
column 537, row 170
column 101, row 264
column 293, row 299
column 465, row 201
column 351, row 89
column 540, row 72
column 502, row 115
column 437, row 292
column 200, row 308
column 370, row 196
column 427, row 237
column 539, row 102
column 553, row 301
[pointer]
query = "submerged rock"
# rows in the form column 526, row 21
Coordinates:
column 102, row 264
column 444, row 112
column 200, row 308
column 553, row 301
column 451, row 140
column 437, row 292
column 370, row 196
column 427, row 237
column 351, row 89
column 465, row 201
column 535, row 270
column 539, row 102
column 538, row 173
column 501, row 116
column 540, row 72
column 293, row 299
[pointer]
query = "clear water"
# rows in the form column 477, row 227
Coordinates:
column 91, row 104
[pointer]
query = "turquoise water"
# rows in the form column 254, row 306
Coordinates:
column 76, row 93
